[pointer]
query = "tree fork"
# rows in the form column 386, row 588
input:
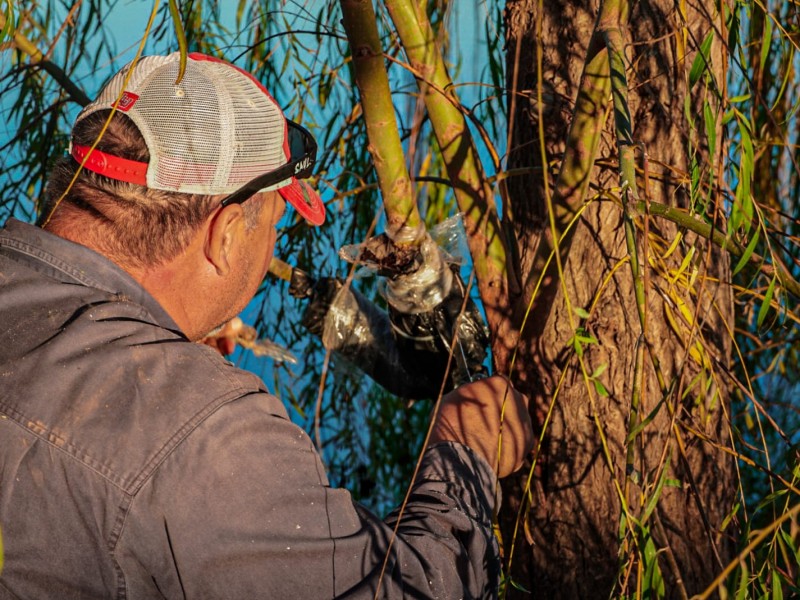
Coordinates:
column 496, row 270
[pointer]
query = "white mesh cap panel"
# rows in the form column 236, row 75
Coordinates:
column 259, row 137
column 210, row 134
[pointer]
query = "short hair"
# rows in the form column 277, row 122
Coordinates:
column 135, row 225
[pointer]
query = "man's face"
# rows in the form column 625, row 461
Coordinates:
column 261, row 240
column 250, row 259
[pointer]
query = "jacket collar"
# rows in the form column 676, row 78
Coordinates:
column 72, row 263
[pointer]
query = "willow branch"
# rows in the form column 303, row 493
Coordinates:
column 611, row 16
column 722, row 240
column 585, row 130
column 385, row 146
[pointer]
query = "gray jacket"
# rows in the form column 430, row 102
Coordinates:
column 135, row 464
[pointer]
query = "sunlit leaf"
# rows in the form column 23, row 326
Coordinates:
column 600, row 370
column 748, row 252
column 765, row 304
column 600, row 388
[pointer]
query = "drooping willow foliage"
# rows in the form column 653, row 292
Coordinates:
column 57, row 53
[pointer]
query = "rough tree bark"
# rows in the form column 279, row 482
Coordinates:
column 574, row 519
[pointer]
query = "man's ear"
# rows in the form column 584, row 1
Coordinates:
column 225, row 230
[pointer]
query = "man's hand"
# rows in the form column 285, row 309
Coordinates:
column 225, row 338
column 487, row 415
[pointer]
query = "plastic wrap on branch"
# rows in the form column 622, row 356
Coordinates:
column 407, row 354
column 451, row 237
column 425, row 296
column 359, row 331
column 414, row 263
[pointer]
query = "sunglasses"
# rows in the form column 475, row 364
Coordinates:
column 302, row 156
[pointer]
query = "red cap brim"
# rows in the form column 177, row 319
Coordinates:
column 305, row 201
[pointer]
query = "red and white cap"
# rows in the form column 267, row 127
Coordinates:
column 211, row 133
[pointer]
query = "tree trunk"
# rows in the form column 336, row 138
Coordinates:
column 574, row 519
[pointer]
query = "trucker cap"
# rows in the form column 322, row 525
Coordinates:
column 216, row 131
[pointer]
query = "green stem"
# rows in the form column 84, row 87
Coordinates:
column 584, row 134
column 623, row 125
column 385, row 146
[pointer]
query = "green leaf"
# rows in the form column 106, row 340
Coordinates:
column 741, row 590
column 711, row 126
column 701, row 59
column 518, row 586
column 600, row 370
column 696, row 190
column 601, row 389
column 576, row 344
column 732, row 22
column 742, row 207
column 687, row 110
column 656, row 495
column 729, row 517
column 240, row 12
column 747, row 143
column 788, row 74
column 623, row 525
column 762, row 312
column 777, row 586
column 748, row 252
column 793, row 110
column 727, row 117
column 8, row 31
column 644, row 423
column 581, row 312
column 766, row 41
column 789, row 541
column 175, row 13
column 653, row 585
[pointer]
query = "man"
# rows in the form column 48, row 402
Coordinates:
column 135, row 464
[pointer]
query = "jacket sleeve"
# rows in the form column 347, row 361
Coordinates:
column 241, row 508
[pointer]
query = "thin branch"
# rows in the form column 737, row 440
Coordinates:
column 23, row 44
column 706, row 230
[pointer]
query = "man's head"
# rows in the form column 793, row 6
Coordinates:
column 214, row 132
column 178, row 158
